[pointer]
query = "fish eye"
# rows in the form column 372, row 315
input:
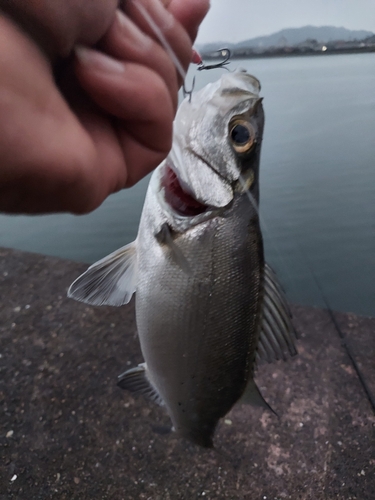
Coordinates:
column 242, row 135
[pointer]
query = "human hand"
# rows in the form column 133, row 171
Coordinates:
column 108, row 121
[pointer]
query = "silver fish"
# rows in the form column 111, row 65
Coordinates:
column 207, row 306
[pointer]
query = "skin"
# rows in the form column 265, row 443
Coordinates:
column 77, row 122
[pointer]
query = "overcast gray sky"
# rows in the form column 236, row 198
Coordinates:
column 236, row 20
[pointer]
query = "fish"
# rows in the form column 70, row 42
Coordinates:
column 208, row 307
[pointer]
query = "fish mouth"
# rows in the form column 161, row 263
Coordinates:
column 178, row 198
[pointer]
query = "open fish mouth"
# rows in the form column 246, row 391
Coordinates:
column 178, row 198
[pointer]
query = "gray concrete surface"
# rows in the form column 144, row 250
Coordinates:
column 67, row 432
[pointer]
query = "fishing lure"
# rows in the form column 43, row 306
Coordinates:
column 201, row 66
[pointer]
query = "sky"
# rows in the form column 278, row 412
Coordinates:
column 237, row 20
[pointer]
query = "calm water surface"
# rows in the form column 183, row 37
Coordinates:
column 317, row 185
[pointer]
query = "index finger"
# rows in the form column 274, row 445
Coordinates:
column 189, row 13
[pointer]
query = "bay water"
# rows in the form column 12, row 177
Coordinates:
column 317, row 185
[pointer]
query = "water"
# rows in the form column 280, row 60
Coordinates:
column 317, row 185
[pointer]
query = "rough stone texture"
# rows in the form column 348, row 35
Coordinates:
column 67, row 432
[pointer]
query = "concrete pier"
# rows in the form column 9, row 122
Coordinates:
column 68, row 433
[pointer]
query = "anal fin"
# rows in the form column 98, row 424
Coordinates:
column 135, row 380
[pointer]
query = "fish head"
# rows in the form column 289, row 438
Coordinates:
column 216, row 145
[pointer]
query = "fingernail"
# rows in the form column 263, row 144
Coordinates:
column 132, row 32
column 196, row 57
column 98, row 60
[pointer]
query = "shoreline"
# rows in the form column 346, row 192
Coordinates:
column 272, row 55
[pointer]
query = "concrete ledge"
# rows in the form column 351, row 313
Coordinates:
column 67, row 432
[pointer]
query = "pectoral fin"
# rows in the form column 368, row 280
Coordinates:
column 136, row 380
column 164, row 237
column 277, row 335
column 110, row 281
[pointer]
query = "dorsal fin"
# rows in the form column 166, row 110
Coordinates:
column 110, row 281
column 277, row 334
column 136, row 380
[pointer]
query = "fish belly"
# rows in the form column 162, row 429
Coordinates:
column 198, row 331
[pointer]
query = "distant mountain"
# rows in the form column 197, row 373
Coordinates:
column 294, row 36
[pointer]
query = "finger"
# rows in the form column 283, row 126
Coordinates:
column 153, row 19
column 43, row 148
column 58, row 25
column 190, row 14
column 130, row 92
column 140, row 160
column 125, row 41
column 121, row 160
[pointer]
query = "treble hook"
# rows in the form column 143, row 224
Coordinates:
column 225, row 53
column 188, row 92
